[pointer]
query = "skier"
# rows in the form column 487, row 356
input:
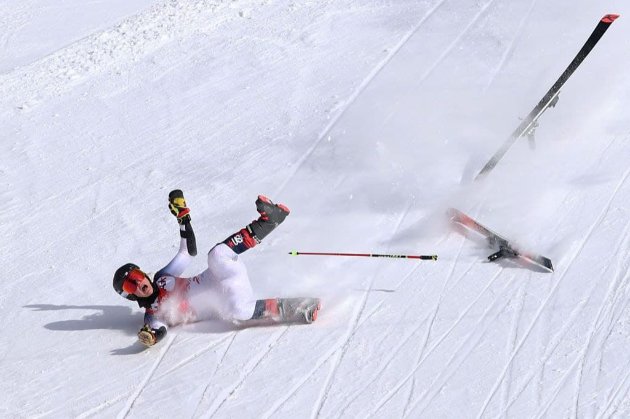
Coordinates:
column 222, row 290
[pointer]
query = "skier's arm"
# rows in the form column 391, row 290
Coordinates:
column 187, row 244
column 183, row 257
column 153, row 330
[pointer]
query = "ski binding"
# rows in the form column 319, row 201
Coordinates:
column 505, row 248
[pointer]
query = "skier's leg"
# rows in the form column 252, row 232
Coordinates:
column 231, row 283
column 271, row 215
column 240, row 303
column 229, row 275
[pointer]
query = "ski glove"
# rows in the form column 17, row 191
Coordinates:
column 147, row 336
column 177, row 205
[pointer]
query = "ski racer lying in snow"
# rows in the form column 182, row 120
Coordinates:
column 221, row 291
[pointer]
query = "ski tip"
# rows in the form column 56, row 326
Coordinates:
column 293, row 253
column 610, row 18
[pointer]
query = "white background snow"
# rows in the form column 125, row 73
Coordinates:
column 367, row 118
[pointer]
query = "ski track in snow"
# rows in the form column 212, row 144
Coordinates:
column 447, row 51
column 579, row 360
column 419, row 358
column 510, row 47
column 378, row 373
column 468, row 344
column 353, row 328
column 95, row 410
column 603, row 153
column 557, row 338
column 129, row 405
column 200, row 352
column 248, row 369
column 550, row 348
column 392, row 329
column 416, row 360
column 554, row 393
column 318, row 364
column 340, row 354
column 117, row 49
column 619, row 396
column 436, row 309
column 327, row 129
column 435, row 345
column 622, row 304
column 68, row 235
column 512, row 339
column 606, row 310
column 204, row 397
column 348, row 103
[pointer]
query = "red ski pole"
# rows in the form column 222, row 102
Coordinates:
column 369, row 255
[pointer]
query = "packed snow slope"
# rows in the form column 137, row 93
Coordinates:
column 368, row 118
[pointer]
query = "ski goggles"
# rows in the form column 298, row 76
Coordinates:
column 134, row 277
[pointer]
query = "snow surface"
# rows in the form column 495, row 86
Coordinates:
column 368, row 118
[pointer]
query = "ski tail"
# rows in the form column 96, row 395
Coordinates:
column 530, row 121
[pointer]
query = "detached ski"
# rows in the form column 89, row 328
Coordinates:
column 503, row 246
column 551, row 97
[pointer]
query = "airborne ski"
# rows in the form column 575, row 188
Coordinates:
column 549, row 100
column 503, row 247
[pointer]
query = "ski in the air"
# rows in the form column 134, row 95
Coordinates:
column 529, row 124
column 504, row 248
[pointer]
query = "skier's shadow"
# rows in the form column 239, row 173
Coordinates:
column 106, row 318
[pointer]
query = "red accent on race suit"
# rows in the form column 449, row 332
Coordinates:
column 248, row 239
column 179, row 292
column 242, row 237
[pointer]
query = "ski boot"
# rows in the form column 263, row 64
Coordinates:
column 287, row 310
column 271, row 215
column 298, row 310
